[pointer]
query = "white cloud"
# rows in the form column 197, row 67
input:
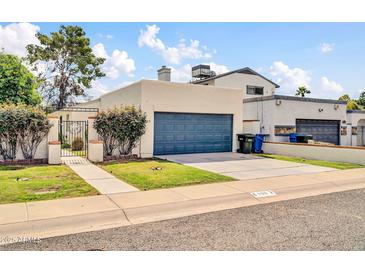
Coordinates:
column 172, row 55
column 96, row 90
column 115, row 64
column 100, row 51
column 182, row 74
column 105, row 36
column 16, row 36
column 218, row 69
column 288, row 78
column 330, row 86
column 148, row 38
column 326, row 47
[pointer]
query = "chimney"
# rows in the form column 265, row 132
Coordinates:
column 164, row 74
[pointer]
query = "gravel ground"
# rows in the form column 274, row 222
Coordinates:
column 328, row 222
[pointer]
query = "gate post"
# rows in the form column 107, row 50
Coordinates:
column 96, row 151
column 54, row 146
column 95, row 147
column 92, row 134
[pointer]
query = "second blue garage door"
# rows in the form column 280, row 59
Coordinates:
column 178, row 133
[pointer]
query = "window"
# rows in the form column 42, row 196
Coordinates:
column 252, row 90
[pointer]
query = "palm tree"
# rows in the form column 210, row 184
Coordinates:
column 302, row 91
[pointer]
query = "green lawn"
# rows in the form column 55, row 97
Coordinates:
column 153, row 174
column 337, row 165
column 44, row 183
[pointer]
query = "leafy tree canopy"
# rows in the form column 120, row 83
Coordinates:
column 345, row 97
column 17, row 84
column 352, row 105
column 70, row 65
column 361, row 100
column 302, row 91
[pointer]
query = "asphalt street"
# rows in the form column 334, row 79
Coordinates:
column 328, row 222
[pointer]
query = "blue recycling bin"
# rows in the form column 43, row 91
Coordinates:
column 257, row 146
column 293, row 137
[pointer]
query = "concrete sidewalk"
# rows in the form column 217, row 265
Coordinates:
column 67, row 216
column 103, row 181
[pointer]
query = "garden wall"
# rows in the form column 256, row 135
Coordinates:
column 317, row 152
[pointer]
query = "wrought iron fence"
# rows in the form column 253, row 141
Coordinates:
column 73, row 138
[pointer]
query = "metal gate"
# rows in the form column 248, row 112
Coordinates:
column 73, row 138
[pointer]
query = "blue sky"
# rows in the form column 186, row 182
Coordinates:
column 327, row 57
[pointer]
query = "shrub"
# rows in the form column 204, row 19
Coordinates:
column 133, row 126
column 77, row 144
column 120, row 128
column 65, row 145
column 10, row 117
column 23, row 125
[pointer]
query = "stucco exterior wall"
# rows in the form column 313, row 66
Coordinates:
column 356, row 119
column 259, row 111
column 90, row 104
column 176, row 97
column 241, row 80
column 129, row 95
column 79, row 115
column 327, row 153
column 41, row 153
column 74, row 115
column 281, row 112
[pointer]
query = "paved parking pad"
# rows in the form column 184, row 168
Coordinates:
column 244, row 166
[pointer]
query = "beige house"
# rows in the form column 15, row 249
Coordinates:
column 206, row 114
column 174, row 111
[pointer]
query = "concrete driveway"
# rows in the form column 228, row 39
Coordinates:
column 243, row 166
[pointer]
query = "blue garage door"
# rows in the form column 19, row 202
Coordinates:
column 178, row 133
column 322, row 130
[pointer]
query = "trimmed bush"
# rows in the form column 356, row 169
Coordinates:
column 23, row 125
column 65, row 145
column 120, row 128
column 10, row 124
column 77, row 144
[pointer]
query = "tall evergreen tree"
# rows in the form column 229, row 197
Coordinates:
column 70, row 65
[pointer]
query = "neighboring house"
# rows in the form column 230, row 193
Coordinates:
column 356, row 121
column 206, row 114
column 80, row 112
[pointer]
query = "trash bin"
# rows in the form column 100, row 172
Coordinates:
column 303, row 138
column 293, row 137
column 257, row 145
column 245, row 141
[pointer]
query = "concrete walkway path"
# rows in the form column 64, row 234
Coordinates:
column 43, row 219
column 103, row 181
